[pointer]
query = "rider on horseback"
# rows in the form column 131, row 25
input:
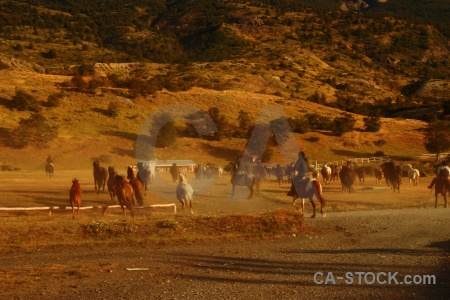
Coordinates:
column 442, row 174
column 49, row 160
column 301, row 170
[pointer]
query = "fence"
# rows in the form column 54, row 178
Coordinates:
column 433, row 156
column 104, row 208
column 363, row 160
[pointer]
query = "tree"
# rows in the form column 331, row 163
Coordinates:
column 341, row 125
column 167, row 135
column 372, row 124
column 219, row 119
column 437, row 137
column 244, row 123
column 34, row 131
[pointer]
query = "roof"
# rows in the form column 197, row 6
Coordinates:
column 169, row 163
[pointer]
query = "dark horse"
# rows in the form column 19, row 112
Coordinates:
column 392, row 175
column 100, row 176
column 143, row 175
column 137, row 185
column 124, row 192
column 347, row 176
column 440, row 187
column 307, row 188
column 49, row 168
column 243, row 178
column 75, row 197
column 111, row 183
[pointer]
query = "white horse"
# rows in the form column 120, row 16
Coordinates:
column 413, row 175
column 220, row 170
column 185, row 193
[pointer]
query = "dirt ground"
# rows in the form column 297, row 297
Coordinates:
column 371, row 230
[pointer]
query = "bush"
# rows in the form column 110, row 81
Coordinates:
column 54, row 99
column 23, row 101
column 380, row 143
column 113, row 110
column 313, row 139
column 35, row 131
column 372, row 124
column 341, row 125
column 379, row 153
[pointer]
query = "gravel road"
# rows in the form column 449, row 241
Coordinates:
column 402, row 242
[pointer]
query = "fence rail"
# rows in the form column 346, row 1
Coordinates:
column 428, row 156
column 359, row 160
column 104, row 208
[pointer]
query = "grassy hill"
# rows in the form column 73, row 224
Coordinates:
column 229, row 55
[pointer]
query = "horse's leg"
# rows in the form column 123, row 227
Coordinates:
column 73, row 212
column 251, row 191
column 313, row 207
column 78, row 210
column 436, row 200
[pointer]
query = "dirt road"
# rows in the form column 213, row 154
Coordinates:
column 402, row 242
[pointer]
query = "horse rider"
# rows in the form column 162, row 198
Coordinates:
column 49, row 160
column 300, row 169
column 443, row 172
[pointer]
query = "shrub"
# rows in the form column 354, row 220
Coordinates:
column 341, row 125
column 379, row 153
column 372, row 124
column 313, row 139
column 34, row 131
column 113, row 109
column 23, row 101
column 380, row 143
column 54, row 99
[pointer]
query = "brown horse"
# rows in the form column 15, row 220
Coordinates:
column 392, row 174
column 75, row 197
column 440, row 188
column 378, row 175
column 361, row 172
column 111, row 183
column 307, row 188
column 137, row 185
column 125, row 193
column 347, row 176
column 49, row 168
column 100, row 176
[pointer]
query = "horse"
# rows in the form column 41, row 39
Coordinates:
column 125, row 194
column 378, row 175
column 198, row 172
column 307, row 188
column 75, row 197
column 243, row 178
column 220, row 171
column 184, row 192
column 49, row 168
column 326, row 173
column 143, row 174
column 440, row 188
column 100, row 176
column 361, row 172
column 347, row 176
column 280, row 173
column 259, row 171
column 137, row 185
column 392, row 174
column 413, row 175
column 334, row 172
column 207, row 172
column 111, row 183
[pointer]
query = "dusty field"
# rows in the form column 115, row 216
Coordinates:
column 371, row 230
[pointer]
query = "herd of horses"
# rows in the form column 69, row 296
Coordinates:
column 134, row 186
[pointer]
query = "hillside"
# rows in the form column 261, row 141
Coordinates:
column 145, row 55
